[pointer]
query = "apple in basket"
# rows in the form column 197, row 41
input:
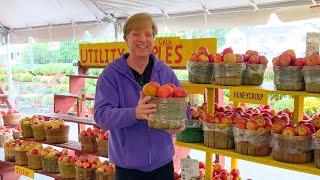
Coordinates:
column 202, row 51
column 251, row 52
column 194, row 57
column 303, row 130
column 317, row 134
column 151, row 88
column 283, row 60
column 229, row 58
column 289, row 131
column 313, row 60
column 316, row 122
column 218, row 58
column 227, row 50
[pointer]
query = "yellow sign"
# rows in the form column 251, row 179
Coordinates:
column 174, row 51
column 246, row 95
column 24, row 171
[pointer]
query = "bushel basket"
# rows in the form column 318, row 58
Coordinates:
column 311, row 76
column 193, row 132
column 228, row 74
column 170, row 113
column 219, row 136
column 288, row 78
column 57, row 136
column 200, row 73
column 253, row 74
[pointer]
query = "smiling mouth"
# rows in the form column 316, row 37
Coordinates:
column 142, row 46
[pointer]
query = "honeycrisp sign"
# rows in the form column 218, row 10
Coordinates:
column 174, row 51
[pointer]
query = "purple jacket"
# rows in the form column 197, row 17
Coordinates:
column 132, row 144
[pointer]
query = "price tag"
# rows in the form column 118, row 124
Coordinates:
column 246, row 95
column 189, row 168
column 24, row 171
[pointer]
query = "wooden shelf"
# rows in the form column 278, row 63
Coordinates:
column 269, row 87
column 82, row 76
column 306, row 167
column 76, row 96
column 72, row 118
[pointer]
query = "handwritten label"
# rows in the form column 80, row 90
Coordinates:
column 189, row 168
column 247, row 95
column 174, row 51
column 24, row 171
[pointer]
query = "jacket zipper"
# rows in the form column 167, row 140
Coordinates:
column 149, row 138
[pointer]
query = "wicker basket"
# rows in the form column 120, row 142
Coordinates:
column 50, row 164
column 193, row 132
column 293, row 149
column 57, row 136
column 21, row 158
column 105, row 176
column 218, row 136
column 9, row 154
column 228, row 74
column 288, row 78
column 67, row 170
column 4, row 138
column 253, row 143
column 316, row 147
column 26, row 130
column 85, row 174
column 11, row 119
column 311, row 76
column 38, row 133
column 34, row 161
column 170, row 113
column 102, row 147
column 200, row 73
column 88, row 144
column 253, row 74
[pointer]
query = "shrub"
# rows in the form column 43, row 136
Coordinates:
column 311, row 105
column 25, row 77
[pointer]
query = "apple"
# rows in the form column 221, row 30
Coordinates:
column 201, row 165
column 194, row 58
column 229, row 58
column 310, row 126
column 151, row 88
column 290, row 53
column 312, row 60
column 211, row 57
column 317, row 134
column 278, row 126
column 254, row 59
column 202, row 51
column 227, row 50
column 217, row 167
column 218, row 58
column 263, row 60
column 288, row 131
column 239, row 58
column 303, row 130
column 210, row 118
column 283, row 60
column 251, row 52
column 203, row 58
column 261, row 121
column 164, row 91
column 316, row 122
column 240, row 125
column 235, row 172
column 179, row 92
column 220, row 109
column 226, row 120
column 252, row 125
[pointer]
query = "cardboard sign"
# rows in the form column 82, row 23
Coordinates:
column 246, row 95
column 24, row 171
column 174, row 51
column 189, row 168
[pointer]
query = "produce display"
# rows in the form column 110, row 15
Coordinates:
column 10, row 117
column 56, row 131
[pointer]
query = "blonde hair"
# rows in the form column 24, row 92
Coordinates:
column 139, row 20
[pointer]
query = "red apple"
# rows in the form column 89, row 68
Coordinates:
column 263, row 60
column 218, row 58
column 229, row 58
column 239, row 58
column 194, row 58
column 316, row 122
column 227, row 50
column 203, row 58
column 151, row 88
column 179, row 92
column 253, row 59
column 211, row 58
column 303, row 130
column 235, row 172
column 252, row 125
column 312, row 60
column 164, row 91
column 202, row 51
column 277, row 127
column 288, row 131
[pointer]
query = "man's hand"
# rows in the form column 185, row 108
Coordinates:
column 143, row 109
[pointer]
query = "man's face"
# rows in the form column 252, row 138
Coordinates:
column 140, row 41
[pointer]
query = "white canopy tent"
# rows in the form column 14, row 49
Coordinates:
column 56, row 20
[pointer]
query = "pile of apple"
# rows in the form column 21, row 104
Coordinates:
column 35, row 119
column 168, row 90
column 219, row 173
column 29, row 146
column 288, row 58
column 202, row 55
column 67, row 159
column 199, row 112
column 10, row 146
column 106, row 167
column 103, row 135
column 55, row 123
column 90, row 132
column 87, row 163
column 50, row 153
